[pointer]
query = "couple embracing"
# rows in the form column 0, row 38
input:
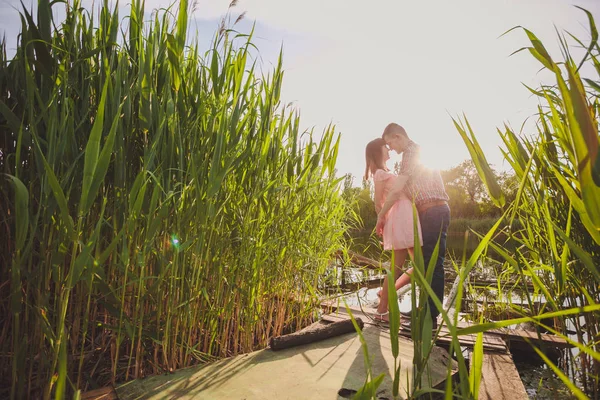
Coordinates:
column 394, row 195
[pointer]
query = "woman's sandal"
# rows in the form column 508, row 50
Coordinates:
column 379, row 317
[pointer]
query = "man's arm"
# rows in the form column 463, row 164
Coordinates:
column 378, row 196
column 410, row 162
column 393, row 195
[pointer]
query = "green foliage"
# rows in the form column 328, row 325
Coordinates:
column 166, row 205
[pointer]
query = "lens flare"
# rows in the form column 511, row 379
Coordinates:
column 174, row 241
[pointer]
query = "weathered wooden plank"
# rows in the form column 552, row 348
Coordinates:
column 519, row 336
column 494, row 284
column 500, row 379
column 490, row 343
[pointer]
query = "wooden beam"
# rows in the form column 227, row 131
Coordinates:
column 316, row 333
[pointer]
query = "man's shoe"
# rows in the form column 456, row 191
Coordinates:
column 406, row 325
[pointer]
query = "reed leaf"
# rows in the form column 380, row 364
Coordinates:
column 483, row 168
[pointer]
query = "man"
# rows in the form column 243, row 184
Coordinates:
column 426, row 188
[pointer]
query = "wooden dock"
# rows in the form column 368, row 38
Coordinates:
column 319, row 370
column 330, row 367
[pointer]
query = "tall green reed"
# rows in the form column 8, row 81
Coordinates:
column 558, row 207
column 165, row 209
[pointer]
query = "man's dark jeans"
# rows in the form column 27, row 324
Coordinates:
column 434, row 226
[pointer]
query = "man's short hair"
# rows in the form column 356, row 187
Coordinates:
column 393, row 129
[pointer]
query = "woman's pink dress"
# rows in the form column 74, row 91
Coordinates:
column 398, row 232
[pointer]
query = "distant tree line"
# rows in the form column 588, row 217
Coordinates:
column 468, row 196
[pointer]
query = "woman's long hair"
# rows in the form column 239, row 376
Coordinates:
column 374, row 157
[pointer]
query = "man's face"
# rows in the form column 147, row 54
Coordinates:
column 394, row 142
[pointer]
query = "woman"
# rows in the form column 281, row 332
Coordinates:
column 398, row 232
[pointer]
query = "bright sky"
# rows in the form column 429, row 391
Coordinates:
column 363, row 64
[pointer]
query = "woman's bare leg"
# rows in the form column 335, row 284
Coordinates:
column 399, row 258
column 405, row 277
